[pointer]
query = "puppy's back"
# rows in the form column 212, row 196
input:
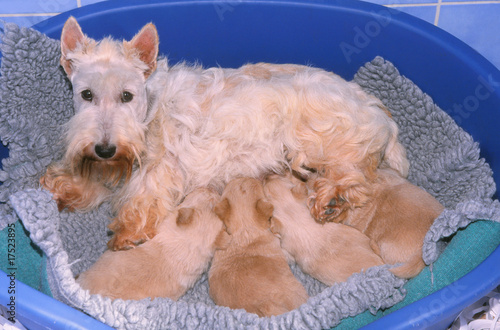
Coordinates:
column 404, row 214
column 168, row 264
column 329, row 252
column 249, row 270
column 263, row 285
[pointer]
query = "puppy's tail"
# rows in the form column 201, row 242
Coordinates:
column 411, row 268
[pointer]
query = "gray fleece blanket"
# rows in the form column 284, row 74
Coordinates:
column 35, row 100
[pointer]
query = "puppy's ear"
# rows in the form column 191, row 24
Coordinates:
column 276, row 227
column 71, row 37
column 264, row 208
column 145, row 43
column 184, row 216
column 222, row 209
column 300, row 191
column 222, row 240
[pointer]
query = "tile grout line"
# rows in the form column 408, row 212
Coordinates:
column 78, row 5
column 471, row 2
column 29, row 14
column 438, row 11
column 440, row 3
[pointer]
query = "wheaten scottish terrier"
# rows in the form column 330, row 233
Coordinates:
column 145, row 134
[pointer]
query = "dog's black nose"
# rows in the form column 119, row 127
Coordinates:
column 105, row 151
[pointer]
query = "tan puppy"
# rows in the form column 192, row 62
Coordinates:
column 331, row 252
column 396, row 220
column 169, row 264
column 250, row 271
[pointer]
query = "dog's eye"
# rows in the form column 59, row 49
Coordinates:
column 127, row 97
column 87, row 95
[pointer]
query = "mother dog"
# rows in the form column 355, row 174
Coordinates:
column 145, row 134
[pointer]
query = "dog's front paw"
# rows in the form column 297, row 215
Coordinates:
column 64, row 191
column 126, row 238
column 327, row 203
column 72, row 192
column 327, row 209
column 123, row 242
column 333, row 209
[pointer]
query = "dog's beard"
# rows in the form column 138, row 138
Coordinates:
column 107, row 171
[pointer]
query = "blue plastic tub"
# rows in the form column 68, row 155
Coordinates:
column 339, row 36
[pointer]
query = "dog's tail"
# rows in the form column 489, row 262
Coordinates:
column 411, row 268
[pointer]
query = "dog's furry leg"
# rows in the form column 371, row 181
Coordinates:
column 73, row 192
column 143, row 204
column 136, row 222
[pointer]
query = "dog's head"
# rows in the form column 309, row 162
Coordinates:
column 107, row 133
column 278, row 188
column 244, row 206
column 289, row 198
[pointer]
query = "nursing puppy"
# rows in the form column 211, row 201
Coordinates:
column 169, row 264
column 145, row 134
column 249, row 270
column 396, row 220
column 330, row 252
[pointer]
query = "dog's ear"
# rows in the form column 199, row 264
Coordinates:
column 222, row 209
column 71, row 37
column 276, row 227
column 264, row 208
column 145, row 43
column 222, row 240
column 300, row 191
column 184, row 216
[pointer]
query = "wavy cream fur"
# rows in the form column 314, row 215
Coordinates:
column 189, row 127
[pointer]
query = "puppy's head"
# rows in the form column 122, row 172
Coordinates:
column 197, row 209
column 288, row 195
column 243, row 205
column 194, row 220
column 277, row 188
column 106, row 133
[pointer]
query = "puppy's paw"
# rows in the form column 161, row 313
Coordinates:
column 126, row 238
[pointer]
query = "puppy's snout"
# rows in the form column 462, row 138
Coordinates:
column 105, row 151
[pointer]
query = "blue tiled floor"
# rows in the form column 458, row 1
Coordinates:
column 475, row 22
